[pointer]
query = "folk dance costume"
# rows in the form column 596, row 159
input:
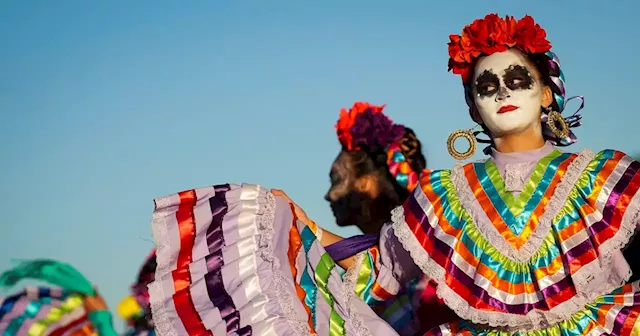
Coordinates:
column 50, row 311
column 525, row 243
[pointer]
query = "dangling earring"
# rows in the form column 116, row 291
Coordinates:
column 555, row 119
column 467, row 135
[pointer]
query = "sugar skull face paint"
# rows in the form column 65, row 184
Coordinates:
column 507, row 94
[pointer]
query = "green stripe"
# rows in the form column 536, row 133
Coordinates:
column 323, row 272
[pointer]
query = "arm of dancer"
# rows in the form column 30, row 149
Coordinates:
column 326, row 237
column 380, row 271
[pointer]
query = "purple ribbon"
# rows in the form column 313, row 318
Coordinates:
column 573, row 121
column 351, row 246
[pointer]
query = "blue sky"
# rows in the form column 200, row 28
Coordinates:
column 106, row 105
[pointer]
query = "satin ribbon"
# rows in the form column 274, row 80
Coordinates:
column 572, row 121
column 351, row 246
column 72, row 303
column 323, row 273
column 31, row 311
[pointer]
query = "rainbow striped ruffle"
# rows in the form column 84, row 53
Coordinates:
column 613, row 314
column 234, row 259
column 39, row 311
column 548, row 259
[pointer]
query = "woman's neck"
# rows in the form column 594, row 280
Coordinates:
column 530, row 139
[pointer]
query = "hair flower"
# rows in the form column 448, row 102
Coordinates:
column 364, row 125
column 493, row 34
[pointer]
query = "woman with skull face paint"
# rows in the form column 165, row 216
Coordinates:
column 375, row 172
column 528, row 242
column 532, row 240
column 220, row 250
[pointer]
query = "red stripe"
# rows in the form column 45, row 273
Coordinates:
column 60, row 331
column 182, row 275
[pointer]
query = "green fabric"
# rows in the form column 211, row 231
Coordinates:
column 101, row 320
column 50, row 271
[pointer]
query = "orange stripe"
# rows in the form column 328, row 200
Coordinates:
column 533, row 221
column 442, row 260
column 603, row 175
column 463, row 251
column 182, row 275
column 493, row 214
column 295, row 243
column 377, row 289
column 487, row 206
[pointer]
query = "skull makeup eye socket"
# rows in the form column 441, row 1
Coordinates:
column 487, row 84
column 517, row 77
column 487, row 89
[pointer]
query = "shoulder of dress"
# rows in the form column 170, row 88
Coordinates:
column 611, row 159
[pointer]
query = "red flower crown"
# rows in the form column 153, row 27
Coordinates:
column 494, row 34
column 348, row 119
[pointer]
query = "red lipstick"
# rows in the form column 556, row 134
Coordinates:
column 507, row 108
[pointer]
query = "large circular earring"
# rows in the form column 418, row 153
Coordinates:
column 467, row 135
column 557, row 125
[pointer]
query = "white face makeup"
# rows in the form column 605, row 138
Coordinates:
column 506, row 93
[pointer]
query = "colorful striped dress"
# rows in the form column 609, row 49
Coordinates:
column 40, row 311
column 525, row 249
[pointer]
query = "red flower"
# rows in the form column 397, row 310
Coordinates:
column 530, row 37
column 493, row 34
column 348, row 119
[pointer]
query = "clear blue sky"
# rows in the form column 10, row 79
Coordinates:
column 106, row 105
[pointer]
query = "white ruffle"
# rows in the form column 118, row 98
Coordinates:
column 279, row 294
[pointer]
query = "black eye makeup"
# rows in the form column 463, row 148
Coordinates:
column 517, row 77
column 487, row 84
column 335, row 178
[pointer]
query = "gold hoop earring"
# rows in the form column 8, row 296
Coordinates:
column 467, row 135
column 554, row 119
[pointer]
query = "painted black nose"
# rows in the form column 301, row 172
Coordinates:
column 503, row 94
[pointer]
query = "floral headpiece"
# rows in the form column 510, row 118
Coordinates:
column 494, row 34
column 364, row 126
column 137, row 306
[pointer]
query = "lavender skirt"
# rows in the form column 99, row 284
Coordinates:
column 234, row 260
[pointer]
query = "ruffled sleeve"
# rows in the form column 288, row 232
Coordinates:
column 610, row 205
column 234, row 260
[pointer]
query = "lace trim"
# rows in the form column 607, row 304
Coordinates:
column 157, row 297
column 515, row 176
column 534, row 319
column 286, row 302
column 533, row 243
column 348, row 292
column 266, row 220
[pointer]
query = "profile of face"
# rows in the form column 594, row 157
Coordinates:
column 346, row 202
column 355, row 193
column 508, row 93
